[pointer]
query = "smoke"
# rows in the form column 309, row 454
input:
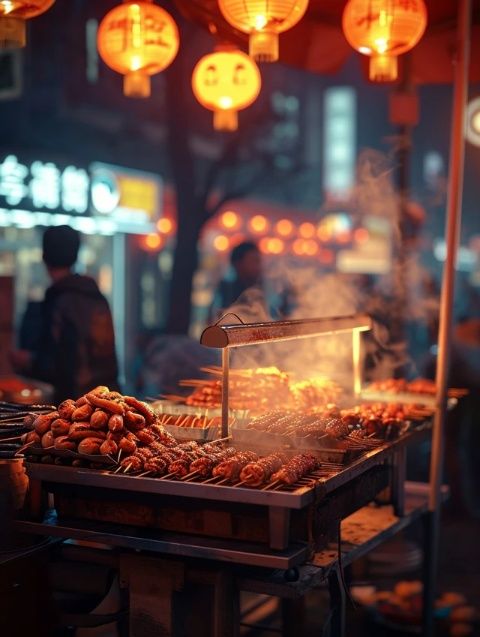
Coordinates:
column 405, row 292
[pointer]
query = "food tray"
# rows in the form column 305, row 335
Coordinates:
column 408, row 398
column 199, row 434
column 70, row 455
column 268, row 442
column 180, row 409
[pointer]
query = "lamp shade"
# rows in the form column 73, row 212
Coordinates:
column 384, row 29
column 263, row 20
column 225, row 82
column 137, row 39
column 13, row 14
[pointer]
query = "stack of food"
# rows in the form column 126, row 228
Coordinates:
column 189, row 420
column 252, row 389
column 422, row 386
column 260, row 389
column 380, row 420
column 99, row 423
column 15, row 421
column 191, row 460
column 308, row 394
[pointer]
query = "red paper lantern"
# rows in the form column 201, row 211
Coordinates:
column 384, row 29
column 13, row 15
column 137, row 39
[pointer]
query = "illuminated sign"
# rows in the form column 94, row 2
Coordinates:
column 101, row 199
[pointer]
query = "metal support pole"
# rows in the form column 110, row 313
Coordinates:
column 338, row 604
column 454, row 208
column 357, row 367
column 225, row 380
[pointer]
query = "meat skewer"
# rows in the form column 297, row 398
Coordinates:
column 205, row 464
column 256, row 473
column 230, row 469
column 297, row 467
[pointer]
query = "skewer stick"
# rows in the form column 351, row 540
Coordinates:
column 190, row 475
column 8, row 439
column 127, row 468
column 239, row 484
column 169, row 475
column 145, row 473
column 210, row 480
column 118, row 469
column 223, row 481
column 271, row 485
column 27, row 445
column 222, row 439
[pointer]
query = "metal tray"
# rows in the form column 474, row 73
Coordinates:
column 70, row 455
column 268, row 443
column 199, row 434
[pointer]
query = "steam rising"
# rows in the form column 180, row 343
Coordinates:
column 317, row 294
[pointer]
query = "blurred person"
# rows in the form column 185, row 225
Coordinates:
column 246, row 262
column 76, row 350
column 249, row 294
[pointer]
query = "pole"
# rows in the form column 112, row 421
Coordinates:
column 225, row 388
column 453, row 220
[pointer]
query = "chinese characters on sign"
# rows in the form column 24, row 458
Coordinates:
column 100, row 199
column 44, row 184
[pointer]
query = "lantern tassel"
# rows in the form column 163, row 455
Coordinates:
column 136, row 84
column 383, row 68
column 225, row 119
column 263, row 46
column 12, row 33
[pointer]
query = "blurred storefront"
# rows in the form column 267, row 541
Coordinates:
column 108, row 204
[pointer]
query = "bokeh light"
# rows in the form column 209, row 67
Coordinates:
column 258, row 224
column 221, row 243
column 230, row 220
column 165, row 225
column 306, row 230
column 151, row 242
column 324, row 233
column 361, row 235
column 284, row 227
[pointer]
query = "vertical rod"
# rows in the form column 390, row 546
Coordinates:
column 357, row 359
column 119, row 305
column 225, row 380
column 453, row 220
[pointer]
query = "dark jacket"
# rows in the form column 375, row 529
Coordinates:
column 77, row 348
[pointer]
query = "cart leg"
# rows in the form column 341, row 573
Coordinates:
column 431, row 524
column 279, row 527
column 293, row 616
column 152, row 583
column 398, row 481
column 226, row 605
column 337, row 604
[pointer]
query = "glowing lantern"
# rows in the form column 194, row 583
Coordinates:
column 263, row 20
column 137, row 39
column 225, row 82
column 384, row 29
column 13, row 14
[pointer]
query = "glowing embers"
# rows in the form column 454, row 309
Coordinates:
column 384, row 29
column 226, row 82
column 263, row 20
column 137, row 39
column 13, row 15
